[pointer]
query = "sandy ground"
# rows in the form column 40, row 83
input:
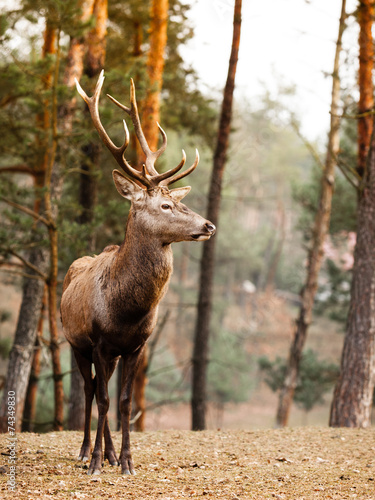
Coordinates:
column 299, row 463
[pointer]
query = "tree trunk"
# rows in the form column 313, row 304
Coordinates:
column 53, row 188
column 21, row 356
column 366, row 96
column 202, row 328
column 30, row 402
column 155, row 67
column 140, row 383
column 352, row 400
column 321, row 227
column 96, row 40
column 94, row 44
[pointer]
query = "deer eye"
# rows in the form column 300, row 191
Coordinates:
column 166, row 206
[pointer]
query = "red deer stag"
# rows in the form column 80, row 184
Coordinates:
column 110, row 302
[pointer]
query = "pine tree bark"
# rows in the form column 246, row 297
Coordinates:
column 207, row 264
column 32, row 389
column 366, row 91
column 316, row 253
column 21, row 355
column 352, row 400
column 155, row 66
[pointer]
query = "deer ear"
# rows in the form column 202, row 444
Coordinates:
column 126, row 187
column 178, row 193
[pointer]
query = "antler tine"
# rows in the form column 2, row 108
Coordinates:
column 165, row 175
column 122, row 106
column 171, row 180
column 164, row 145
column 138, row 130
column 135, row 174
column 93, row 105
column 151, row 156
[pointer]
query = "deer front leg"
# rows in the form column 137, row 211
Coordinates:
column 101, row 368
column 128, row 374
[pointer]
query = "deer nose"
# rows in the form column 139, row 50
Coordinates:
column 210, row 227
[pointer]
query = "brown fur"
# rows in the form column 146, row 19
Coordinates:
column 110, row 303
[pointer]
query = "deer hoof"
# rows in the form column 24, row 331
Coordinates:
column 112, row 458
column 84, row 455
column 127, row 472
column 95, row 466
column 95, row 472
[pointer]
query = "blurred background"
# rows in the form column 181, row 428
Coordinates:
column 269, row 197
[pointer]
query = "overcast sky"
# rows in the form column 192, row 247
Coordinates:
column 289, row 41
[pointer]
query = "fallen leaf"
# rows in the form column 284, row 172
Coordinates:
column 284, row 459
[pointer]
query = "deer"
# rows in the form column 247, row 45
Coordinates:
column 109, row 304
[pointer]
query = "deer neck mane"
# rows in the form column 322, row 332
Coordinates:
column 143, row 265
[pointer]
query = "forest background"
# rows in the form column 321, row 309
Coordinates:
column 270, row 195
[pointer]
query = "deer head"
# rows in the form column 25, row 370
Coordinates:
column 158, row 209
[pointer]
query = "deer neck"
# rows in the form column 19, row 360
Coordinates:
column 143, row 266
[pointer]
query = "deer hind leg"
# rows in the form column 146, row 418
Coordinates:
column 103, row 370
column 130, row 365
column 84, row 366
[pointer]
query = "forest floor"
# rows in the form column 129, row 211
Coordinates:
column 293, row 463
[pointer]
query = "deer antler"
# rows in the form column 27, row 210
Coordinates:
column 117, row 152
column 149, row 177
column 151, row 156
column 170, row 180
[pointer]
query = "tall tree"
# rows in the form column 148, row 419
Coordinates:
column 316, row 253
column 94, row 46
column 352, row 400
column 21, row 356
column 207, row 265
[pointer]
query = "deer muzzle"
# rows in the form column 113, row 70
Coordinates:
column 208, row 230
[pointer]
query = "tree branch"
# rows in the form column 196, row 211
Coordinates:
column 356, row 116
column 308, row 145
column 26, row 210
column 344, row 168
column 28, row 264
column 17, row 169
column 23, row 275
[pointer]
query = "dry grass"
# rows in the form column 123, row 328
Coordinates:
column 303, row 463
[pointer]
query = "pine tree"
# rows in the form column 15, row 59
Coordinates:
column 202, row 327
